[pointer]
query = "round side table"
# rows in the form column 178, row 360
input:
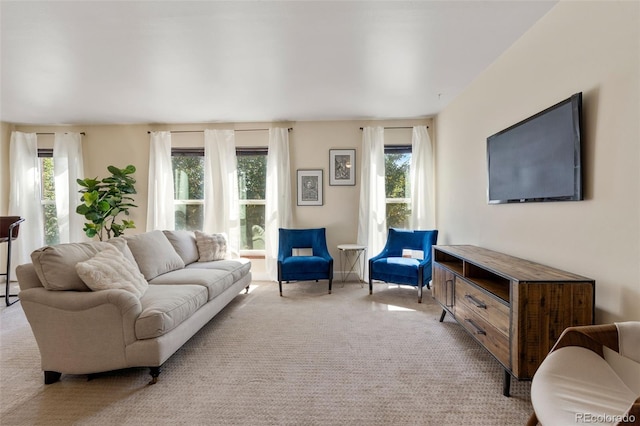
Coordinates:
column 352, row 254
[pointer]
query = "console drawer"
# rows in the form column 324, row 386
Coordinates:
column 490, row 337
column 486, row 307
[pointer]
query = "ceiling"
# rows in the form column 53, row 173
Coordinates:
column 107, row 62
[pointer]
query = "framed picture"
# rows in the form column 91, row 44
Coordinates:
column 310, row 187
column 342, row 167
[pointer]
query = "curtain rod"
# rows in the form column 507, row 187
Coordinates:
column 235, row 130
column 52, row 133
column 397, row 127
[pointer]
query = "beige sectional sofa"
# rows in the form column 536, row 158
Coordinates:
column 80, row 331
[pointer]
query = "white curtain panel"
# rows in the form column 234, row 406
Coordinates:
column 24, row 196
column 278, row 210
column 221, row 205
column 372, row 216
column 160, row 207
column 68, row 167
column 422, row 180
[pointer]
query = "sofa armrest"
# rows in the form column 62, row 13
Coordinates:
column 81, row 332
column 124, row 301
column 592, row 337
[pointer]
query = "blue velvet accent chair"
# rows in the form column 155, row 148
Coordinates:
column 317, row 266
column 389, row 266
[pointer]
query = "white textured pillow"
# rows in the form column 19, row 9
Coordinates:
column 211, row 246
column 109, row 269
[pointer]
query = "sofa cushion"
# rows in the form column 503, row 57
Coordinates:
column 237, row 267
column 184, row 243
column 109, row 269
column 211, row 246
column 55, row 265
column 154, row 254
column 121, row 244
column 215, row 281
column 164, row 307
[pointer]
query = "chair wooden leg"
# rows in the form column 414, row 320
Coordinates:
column 330, row 281
column 7, row 275
column 280, row 287
column 533, row 420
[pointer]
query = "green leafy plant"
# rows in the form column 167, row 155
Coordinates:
column 104, row 200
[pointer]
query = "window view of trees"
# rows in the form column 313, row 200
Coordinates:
column 252, row 181
column 397, row 188
column 188, row 174
column 188, row 182
column 47, row 184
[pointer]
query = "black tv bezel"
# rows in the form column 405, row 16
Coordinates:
column 576, row 112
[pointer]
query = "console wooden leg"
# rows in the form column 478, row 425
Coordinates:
column 506, row 384
column 444, row 312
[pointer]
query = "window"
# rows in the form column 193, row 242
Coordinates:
column 397, row 160
column 188, row 188
column 188, row 178
column 252, row 182
column 48, row 197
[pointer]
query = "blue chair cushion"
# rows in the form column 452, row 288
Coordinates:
column 305, row 264
column 396, row 269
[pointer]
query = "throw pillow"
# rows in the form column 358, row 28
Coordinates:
column 211, row 246
column 109, row 269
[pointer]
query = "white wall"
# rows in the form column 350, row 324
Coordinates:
column 589, row 47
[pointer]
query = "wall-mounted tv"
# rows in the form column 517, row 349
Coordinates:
column 538, row 159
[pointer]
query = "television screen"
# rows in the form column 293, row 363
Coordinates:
column 538, row 159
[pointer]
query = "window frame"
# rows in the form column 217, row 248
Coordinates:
column 240, row 151
column 44, row 202
column 398, row 149
column 199, row 152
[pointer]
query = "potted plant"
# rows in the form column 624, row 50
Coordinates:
column 104, row 200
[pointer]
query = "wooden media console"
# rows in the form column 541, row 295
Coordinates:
column 516, row 309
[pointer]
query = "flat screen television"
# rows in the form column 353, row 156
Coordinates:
column 538, row 159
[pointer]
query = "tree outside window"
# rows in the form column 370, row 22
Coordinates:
column 48, row 197
column 252, row 181
column 188, row 193
column 398, row 193
column 188, row 176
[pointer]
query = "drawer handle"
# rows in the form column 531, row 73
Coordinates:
column 478, row 330
column 476, row 302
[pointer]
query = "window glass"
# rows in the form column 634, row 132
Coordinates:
column 252, row 180
column 188, row 175
column 48, row 197
column 188, row 189
column 398, row 192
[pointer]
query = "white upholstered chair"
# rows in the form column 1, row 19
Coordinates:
column 575, row 384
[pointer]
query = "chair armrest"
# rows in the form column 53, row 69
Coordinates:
column 592, row 337
column 634, row 412
column 384, row 253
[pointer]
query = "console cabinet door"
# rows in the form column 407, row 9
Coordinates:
column 443, row 286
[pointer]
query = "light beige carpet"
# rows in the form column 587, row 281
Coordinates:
column 308, row 358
